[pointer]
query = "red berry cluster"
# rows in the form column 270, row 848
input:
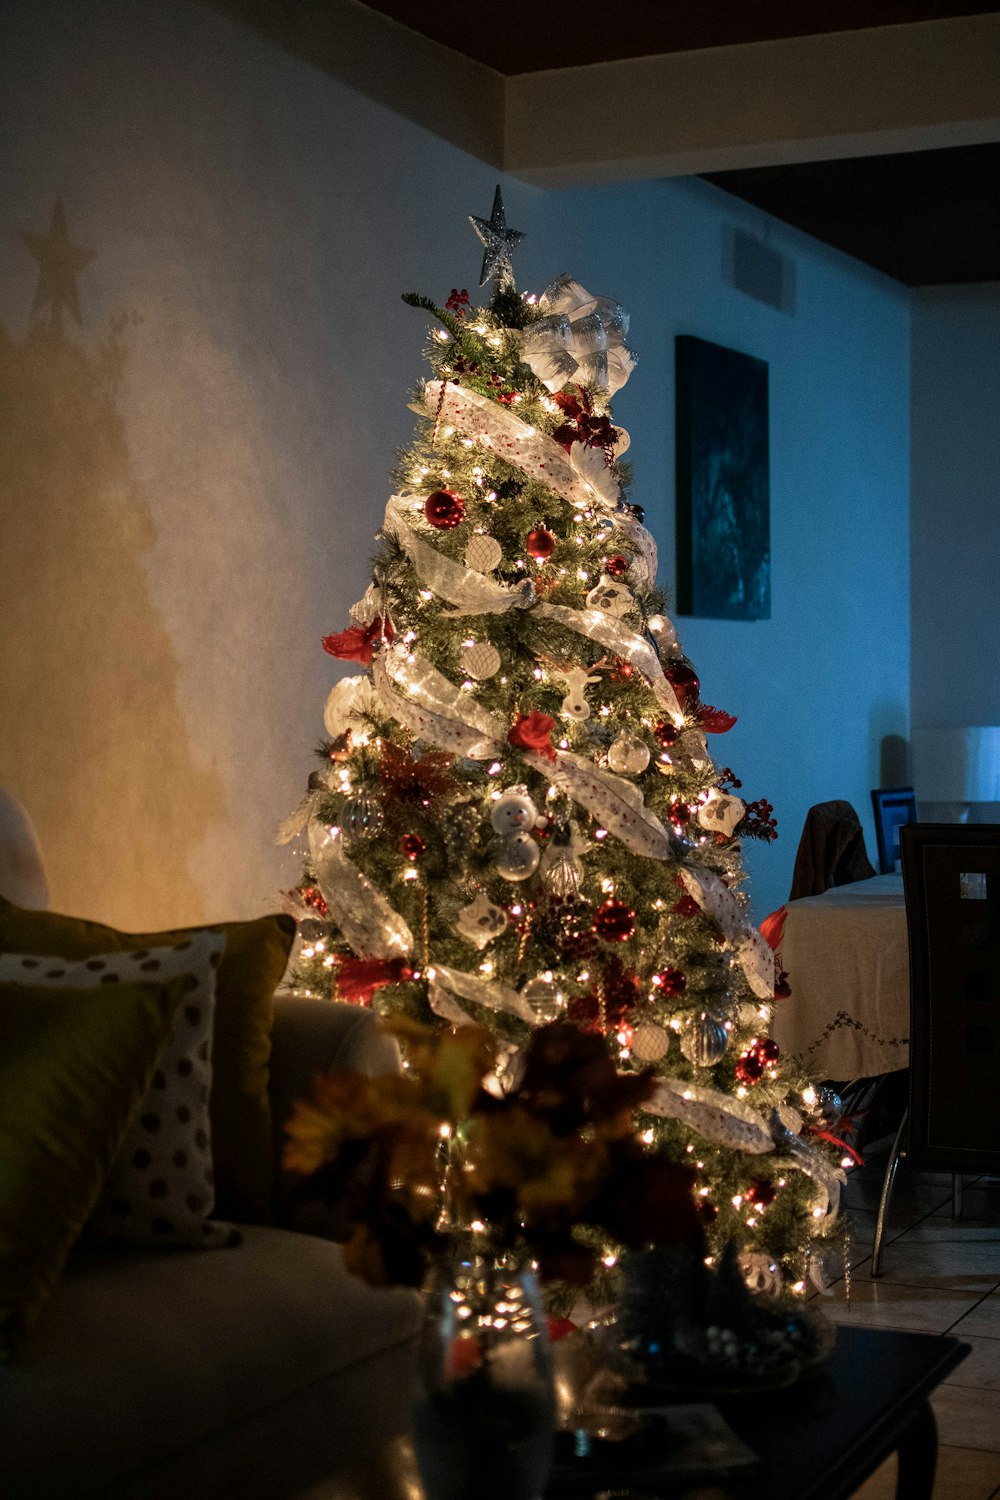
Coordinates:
column 505, row 397
column 728, row 780
column 758, row 822
column 751, row 1066
column 311, row 896
column 458, row 302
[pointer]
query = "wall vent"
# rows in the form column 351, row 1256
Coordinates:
column 758, row 271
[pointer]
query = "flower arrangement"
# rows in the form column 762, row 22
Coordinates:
column 551, row 1167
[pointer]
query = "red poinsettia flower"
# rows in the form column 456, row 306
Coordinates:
column 583, row 425
column 359, row 978
column 357, row 642
column 533, row 732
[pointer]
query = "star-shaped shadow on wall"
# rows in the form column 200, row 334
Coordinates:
column 59, row 264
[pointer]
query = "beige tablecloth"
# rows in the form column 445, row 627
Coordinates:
column 846, row 958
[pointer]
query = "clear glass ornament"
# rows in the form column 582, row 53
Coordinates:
column 484, row 1415
column 564, row 874
column 548, row 995
column 628, row 755
column 704, row 1041
column 361, row 817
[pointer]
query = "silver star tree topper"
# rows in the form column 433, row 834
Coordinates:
column 498, row 241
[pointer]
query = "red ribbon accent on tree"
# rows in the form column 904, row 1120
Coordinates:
column 357, row 642
column 714, row 720
column 583, row 426
column 533, row 732
column 834, row 1140
column 359, row 978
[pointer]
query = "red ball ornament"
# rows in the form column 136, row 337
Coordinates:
column 540, row 544
column 679, row 814
column 614, row 922
column 666, row 734
column 750, row 1068
column 768, row 1049
column 684, row 681
column 616, row 566
column 670, row 981
column 761, row 1192
column 444, row 509
column 412, row 845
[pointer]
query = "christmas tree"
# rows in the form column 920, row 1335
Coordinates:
column 517, row 817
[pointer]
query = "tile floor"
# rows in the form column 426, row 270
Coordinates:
column 938, row 1277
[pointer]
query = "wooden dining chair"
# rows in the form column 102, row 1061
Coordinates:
column 951, row 883
column 893, row 807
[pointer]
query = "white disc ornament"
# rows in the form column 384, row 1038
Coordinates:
column 517, row 857
column 611, row 596
column 628, row 754
column 481, row 921
column 483, row 553
column 481, row 660
column 721, row 812
column 513, row 811
column 547, row 995
column 650, row 1042
column 704, row 1041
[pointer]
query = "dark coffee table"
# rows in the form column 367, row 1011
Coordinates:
column 820, row 1439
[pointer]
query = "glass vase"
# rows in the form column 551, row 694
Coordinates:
column 483, row 1419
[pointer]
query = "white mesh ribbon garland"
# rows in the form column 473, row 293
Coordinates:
column 432, row 708
column 494, row 427
column 715, row 1115
column 752, row 952
column 471, row 592
column 445, row 984
column 810, row 1160
column 579, row 337
column 372, row 927
column 617, row 804
column 610, row 632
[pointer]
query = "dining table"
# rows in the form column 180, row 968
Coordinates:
column 845, row 954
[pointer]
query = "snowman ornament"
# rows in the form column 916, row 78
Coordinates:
column 516, row 854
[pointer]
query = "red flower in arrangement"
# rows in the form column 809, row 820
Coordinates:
column 714, row 720
column 583, row 425
column 359, row 978
column 357, row 642
column 533, row 732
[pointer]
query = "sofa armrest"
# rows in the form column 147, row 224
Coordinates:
column 310, row 1037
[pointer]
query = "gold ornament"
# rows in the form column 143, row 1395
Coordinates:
column 650, row 1042
column 481, row 660
column 483, row 553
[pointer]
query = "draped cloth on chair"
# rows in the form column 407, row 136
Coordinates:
column 831, row 851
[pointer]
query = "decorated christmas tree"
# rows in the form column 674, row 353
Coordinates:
column 517, row 817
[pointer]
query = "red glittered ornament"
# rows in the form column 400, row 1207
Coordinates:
column 761, row 1192
column 684, row 681
column 412, row 845
column 687, row 906
column 679, row 814
column 444, row 509
column 768, row 1049
column 616, row 566
column 750, row 1068
column 614, row 922
column 540, row 544
column 666, row 733
column 670, row 981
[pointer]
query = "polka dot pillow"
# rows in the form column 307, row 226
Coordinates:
column 161, row 1189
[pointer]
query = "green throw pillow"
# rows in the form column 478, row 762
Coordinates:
column 74, row 1065
column 251, row 969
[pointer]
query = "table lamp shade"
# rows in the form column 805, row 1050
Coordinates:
column 957, row 765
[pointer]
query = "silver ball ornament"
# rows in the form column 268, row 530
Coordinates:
column 704, row 1041
column 361, row 817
